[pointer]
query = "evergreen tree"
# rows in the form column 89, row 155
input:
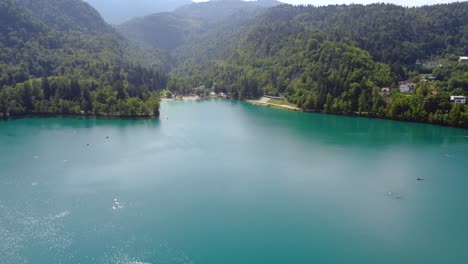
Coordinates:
column 45, row 86
column 75, row 90
column 27, row 97
column 86, row 100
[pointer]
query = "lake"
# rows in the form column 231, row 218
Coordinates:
column 221, row 181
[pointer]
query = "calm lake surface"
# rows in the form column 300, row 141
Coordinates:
column 221, row 182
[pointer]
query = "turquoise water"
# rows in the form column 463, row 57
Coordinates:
column 227, row 182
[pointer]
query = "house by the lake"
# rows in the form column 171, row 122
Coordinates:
column 386, row 91
column 463, row 59
column 406, row 87
column 458, row 99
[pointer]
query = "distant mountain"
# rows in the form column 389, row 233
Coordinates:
column 190, row 24
column 162, row 30
column 66, row 15
column 220, row 9
column 119, row 11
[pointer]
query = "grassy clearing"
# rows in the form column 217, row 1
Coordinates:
column 279, row 102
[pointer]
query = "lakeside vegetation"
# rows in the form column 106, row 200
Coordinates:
column 64, row 59
column 337, row 59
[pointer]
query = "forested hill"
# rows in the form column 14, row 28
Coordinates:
column 119, row 11
column 216, row 10
column 66, row 15
column 390, row 33
column 87, row 70
column 60, row 57
column 191, row 24
column 337, row 59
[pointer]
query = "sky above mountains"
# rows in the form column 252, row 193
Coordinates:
column 331, row 2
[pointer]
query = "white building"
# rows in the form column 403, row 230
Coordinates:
column 457, row 99
column 463, row 58
column 406, row 87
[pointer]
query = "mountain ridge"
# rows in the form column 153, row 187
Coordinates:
column 171, row 30
column 120, row 11
column 66, row 15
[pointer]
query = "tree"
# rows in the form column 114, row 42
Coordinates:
column 454, row 115
column 362, row 102
column 376, row 100
column 45, row 86
column 86, row 100
column 75, row 90
column 329, row 104
column 3, row 103
column 153, row 105
column 119, row 88
column 27, row 96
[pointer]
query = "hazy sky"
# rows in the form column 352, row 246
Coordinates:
column 398, row 2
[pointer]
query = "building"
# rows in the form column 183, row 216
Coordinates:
column 458, row 99
column 406, row 87
column 386, row 91
column 463, row 58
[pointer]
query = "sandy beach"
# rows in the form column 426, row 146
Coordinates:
column 266, row 102
column 182, row 98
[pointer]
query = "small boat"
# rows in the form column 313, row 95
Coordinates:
column 420, row 179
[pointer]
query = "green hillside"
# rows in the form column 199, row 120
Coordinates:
column 50, row 70
column 336, row 59
column 191, row 24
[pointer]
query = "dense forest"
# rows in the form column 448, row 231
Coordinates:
column 47, row 67
column 61, row 57
column 337, row 59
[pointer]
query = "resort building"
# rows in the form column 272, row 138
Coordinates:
column 458, row 99
column 463, row 58
column 406, row 87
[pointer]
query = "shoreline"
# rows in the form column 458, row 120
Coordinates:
column 79, row 116
column 265, row 102
column 184, row 98
column 194, row 98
